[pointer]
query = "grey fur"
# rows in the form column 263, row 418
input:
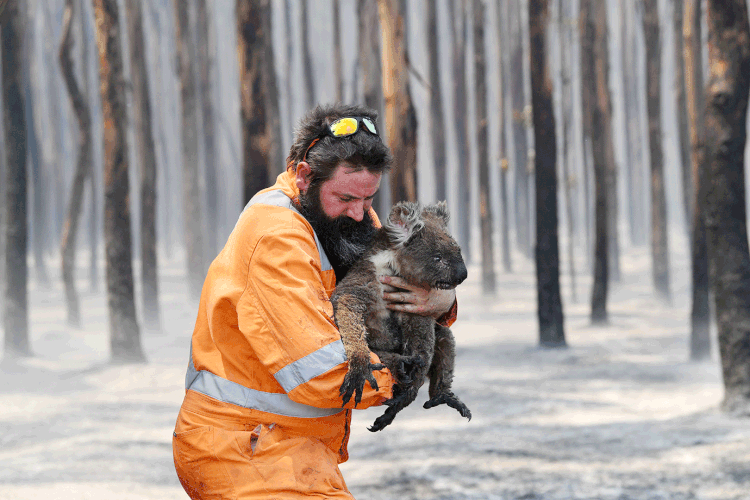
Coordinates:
column 414, row 244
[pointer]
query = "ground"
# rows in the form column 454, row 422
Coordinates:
column 621, row 414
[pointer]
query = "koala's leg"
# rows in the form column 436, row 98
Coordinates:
column 402, row 367
column 441, row 373
column 350, row 313
column 403, row 396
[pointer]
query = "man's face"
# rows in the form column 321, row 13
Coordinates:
column 338, row 211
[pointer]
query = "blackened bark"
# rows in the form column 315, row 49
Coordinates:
column 659, row 233
column 485, row 210
column 207, row 72
column 273, row 126
column 125, row 340
column 255, row 146
column 16, row 312
column 308, row 75
column 565, row 49
column 82, row 172
column 682, row 112
column 193, row 216
column 459, row 29
column 338, row 75
column 726, row 227
column 437, row 119
column 551, row 331
column 700, row 315
column 146, row 151
column 371, row 73
column 400, row 114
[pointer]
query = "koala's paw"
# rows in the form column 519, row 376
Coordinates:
column 408, row 367
column 451, row 400
column 354, row 381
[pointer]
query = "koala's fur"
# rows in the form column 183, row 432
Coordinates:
column 413, row 244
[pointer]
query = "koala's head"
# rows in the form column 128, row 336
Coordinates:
column 424, row 252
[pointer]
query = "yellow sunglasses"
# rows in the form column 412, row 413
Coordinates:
column 344, row 127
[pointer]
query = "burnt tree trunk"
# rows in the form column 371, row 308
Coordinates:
column 273, row 126
column 308, row 75
column 125, row 340
column 191, row 193
column 437, row 118
column 371, row 73
column 338, row 72
column 595, row 59
column 551, row 332
column 207, row 71
column 400, row 114
column 255, row 143
column 459, row 30
column 680, row 91
column 82, row 172
column 659, row 233
column 501, row 9
column 565, row 49
column 700, row 314
column 16, row 302
column 485, row 210
column 726, row 227
column 146, row 151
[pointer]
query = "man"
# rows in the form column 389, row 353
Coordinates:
column 262, row 416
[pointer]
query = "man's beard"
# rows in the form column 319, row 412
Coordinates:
column 344, row 240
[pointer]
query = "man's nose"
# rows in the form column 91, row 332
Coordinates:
column 356, row 211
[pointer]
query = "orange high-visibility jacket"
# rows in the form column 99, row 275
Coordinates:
column 265, row 338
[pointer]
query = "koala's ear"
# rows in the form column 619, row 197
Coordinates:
column 441, row 210
column 403, row 221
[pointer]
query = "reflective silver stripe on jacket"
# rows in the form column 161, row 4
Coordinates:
column 314, row 364
column 227, row 391
column 277, row 198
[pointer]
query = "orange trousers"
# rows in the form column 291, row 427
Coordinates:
column 228, row 458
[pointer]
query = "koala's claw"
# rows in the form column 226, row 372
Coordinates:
column 451, row 400
column 354, row 382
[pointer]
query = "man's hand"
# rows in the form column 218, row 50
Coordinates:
column 402, row 296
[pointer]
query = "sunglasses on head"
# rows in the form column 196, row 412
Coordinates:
column 344, row 127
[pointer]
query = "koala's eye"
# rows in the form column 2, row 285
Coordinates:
column 437, row 258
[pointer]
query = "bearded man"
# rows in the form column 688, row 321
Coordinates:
column 262, row 416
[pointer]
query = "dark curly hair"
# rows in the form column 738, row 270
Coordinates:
column 361, row 150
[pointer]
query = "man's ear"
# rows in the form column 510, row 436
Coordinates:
column 303, row 176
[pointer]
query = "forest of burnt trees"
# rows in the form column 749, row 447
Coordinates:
column 541, row 122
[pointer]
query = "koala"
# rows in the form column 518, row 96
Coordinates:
column 413, row 244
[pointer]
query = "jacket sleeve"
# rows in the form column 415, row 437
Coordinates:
column 298, row 341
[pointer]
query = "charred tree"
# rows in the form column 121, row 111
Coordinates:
column 371, row 71
column 700, row 315
column 501, row 10
column 338, row 72
column 307, row 66
column 459, row 30
column 146, row 151
column 400, row 114
column 206, row 72
column 273, row 127
column 83, row 168
column 659, row 234
column 565, row 48
column 485, row 212
column 551, row 332
column 726, row 227
column 125, row 340
column 254, row 119
column 680, row 90
column 437, row 118
column 16, row 302
column 191, row 193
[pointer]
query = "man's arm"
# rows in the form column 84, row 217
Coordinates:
column 298, row 341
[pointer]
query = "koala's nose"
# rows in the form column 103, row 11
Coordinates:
column 461, row 272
